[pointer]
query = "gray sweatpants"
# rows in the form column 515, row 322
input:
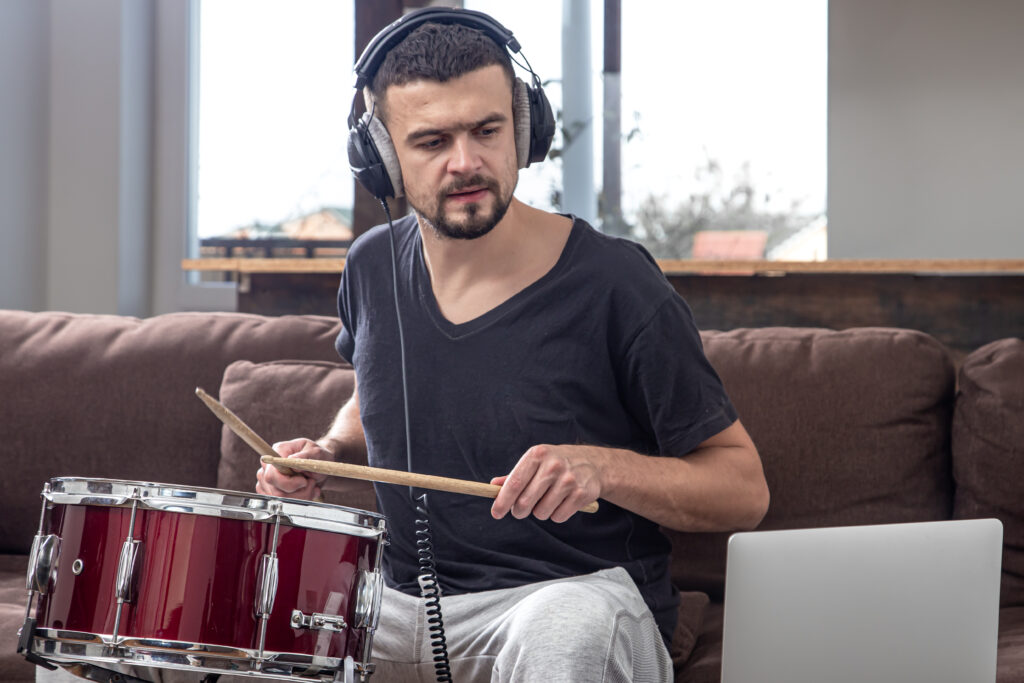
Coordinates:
column 589, row 629
column 585, row 629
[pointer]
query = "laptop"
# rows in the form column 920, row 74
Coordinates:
column 892, row 603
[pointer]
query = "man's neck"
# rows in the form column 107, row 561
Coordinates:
column 470, row 277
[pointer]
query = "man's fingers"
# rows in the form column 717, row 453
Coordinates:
column 548, row 482
column 551, row 500
column 300, row 448
column 544, row 483
column 286, row 449
column 282, row 484
column 514, row 483
column 293, row 487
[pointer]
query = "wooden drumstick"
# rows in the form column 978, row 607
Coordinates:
column 423, row 481
column 243, row 430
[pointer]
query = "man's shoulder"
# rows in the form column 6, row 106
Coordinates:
column 620, row 263
column 375, row 243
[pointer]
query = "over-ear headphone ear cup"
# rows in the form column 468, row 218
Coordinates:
column 372, row 158
column 542, row 124
column 534, row 123
column 522, row 121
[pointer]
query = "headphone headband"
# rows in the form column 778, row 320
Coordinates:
column 395, row 32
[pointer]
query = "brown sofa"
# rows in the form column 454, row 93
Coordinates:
column 854, row 427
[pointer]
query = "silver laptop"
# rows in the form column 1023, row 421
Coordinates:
column 890, row 603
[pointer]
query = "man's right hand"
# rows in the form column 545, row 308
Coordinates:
column 302, row 485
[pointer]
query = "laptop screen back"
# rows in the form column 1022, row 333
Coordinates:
column 897, row 602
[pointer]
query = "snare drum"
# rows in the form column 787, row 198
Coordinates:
column 167, row 576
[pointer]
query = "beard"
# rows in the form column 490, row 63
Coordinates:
column 477, row 221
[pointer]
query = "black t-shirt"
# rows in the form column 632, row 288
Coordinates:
column 600, row 350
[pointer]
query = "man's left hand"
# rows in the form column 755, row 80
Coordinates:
column 550, row 482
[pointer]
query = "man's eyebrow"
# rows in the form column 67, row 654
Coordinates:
column 430, row 132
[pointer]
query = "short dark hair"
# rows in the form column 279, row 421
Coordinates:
column 438, row 52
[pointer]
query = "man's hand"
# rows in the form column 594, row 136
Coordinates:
column 550, row 482
column 303, row 485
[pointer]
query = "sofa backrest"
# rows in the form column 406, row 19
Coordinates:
column 852, row 427
column 113, row 397
column 988, row 451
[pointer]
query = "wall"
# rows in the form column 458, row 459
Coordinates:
column 926, row 129
column 24, row 106
column 98, row 208
column 93, row 143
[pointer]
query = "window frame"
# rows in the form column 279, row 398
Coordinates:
column 175, row 142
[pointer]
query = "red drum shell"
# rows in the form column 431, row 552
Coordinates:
column 196, row 579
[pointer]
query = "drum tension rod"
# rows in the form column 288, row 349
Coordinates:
column 267, row 586
column 126, row 569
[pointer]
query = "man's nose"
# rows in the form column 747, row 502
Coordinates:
column 465, row 157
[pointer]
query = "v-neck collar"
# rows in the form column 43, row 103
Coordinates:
column 425, row 292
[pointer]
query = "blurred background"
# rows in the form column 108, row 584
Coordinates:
column 137, row 133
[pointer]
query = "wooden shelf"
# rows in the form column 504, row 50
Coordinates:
column 903, row 266
column 265, row 265
column 669, row 266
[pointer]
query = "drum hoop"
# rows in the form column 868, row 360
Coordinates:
column 213, row 502
column 73, row 646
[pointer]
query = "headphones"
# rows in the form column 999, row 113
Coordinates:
column 371, row 154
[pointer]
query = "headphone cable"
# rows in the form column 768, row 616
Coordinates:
column 429, row 582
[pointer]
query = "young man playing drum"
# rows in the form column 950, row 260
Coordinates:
column 539, row 355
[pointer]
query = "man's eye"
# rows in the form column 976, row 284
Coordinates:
column 432, row 143
column 487, row 132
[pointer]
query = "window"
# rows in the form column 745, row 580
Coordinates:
column 723, row 119
column 274, row 94
column 727, row 100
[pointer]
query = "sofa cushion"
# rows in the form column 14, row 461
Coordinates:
column 1010, row 657
column 852, row 428
column 282, row 400
column 114, row 397
column 988, row 451
column 689, row 625
column 705, row 662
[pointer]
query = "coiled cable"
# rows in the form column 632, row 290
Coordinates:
column 431, row 593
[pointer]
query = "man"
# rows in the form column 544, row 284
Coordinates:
column 542, row 356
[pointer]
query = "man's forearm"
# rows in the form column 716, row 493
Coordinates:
column 715, row 488
column 345, row 439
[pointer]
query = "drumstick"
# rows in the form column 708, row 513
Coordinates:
column 236, row 425
column 424, row 481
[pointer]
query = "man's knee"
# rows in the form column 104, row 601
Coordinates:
column 585, row 618
column 598, row 624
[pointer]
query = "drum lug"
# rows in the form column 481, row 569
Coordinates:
column 42, row 565
column 266, row 583
column 125, row 588
column 368, row 596
column 318, row 622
